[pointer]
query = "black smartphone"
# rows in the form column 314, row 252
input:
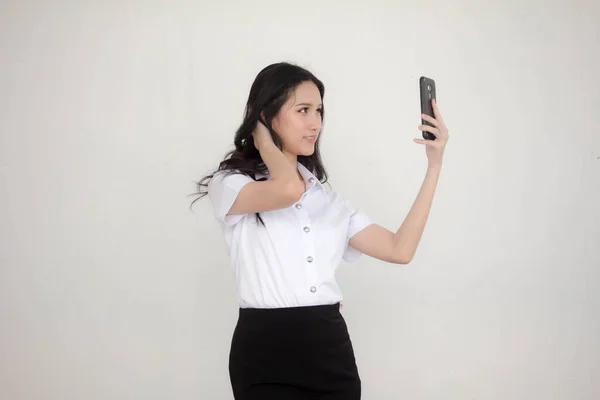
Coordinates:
column 427, row 90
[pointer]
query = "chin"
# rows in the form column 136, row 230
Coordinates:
column 306, row 152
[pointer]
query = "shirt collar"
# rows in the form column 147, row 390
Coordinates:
column 310, row 179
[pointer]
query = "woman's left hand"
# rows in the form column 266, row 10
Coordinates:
column 434, row 148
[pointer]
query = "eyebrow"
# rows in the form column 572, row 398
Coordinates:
column 307, row 104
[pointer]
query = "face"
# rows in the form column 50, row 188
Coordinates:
column 298, row 122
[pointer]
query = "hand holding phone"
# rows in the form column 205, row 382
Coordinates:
column 427, row 93
column 433, row 127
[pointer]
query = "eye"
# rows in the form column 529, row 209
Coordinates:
column 305, row 110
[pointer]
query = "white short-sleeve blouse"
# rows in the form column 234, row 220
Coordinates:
column 290, row 261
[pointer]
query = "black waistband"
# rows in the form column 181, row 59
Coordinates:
column 295, row 313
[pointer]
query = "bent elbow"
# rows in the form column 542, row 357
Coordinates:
column 402, row 259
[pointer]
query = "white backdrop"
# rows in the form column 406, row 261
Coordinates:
column 112, row 288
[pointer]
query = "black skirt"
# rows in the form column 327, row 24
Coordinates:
column 293, row 353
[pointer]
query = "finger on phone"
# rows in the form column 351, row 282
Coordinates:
column 436, row 111
column 430, row 119
column 430, row 129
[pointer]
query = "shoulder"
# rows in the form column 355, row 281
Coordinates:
column 223, row 189
column 228, row 179
column 224, row 186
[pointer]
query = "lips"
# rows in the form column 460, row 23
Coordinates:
column 311, row 138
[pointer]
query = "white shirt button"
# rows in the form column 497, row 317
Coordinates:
column 298, row 206
column 309, row 259
column 313, row 289
column 311, row 180
column 306, row 229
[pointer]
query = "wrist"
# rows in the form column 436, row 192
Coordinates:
column 434, row 168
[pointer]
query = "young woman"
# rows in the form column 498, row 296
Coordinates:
column 287, row 233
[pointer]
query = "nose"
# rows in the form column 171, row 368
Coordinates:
column 315, row 124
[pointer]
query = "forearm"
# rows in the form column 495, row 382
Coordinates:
column 408, row 236
column 278, row 165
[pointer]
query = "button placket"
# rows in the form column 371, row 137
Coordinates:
column 307, row 238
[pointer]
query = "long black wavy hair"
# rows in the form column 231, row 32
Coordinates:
column 269, row 92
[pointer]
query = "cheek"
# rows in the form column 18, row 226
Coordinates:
column 291, row 129
column 300, row 125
